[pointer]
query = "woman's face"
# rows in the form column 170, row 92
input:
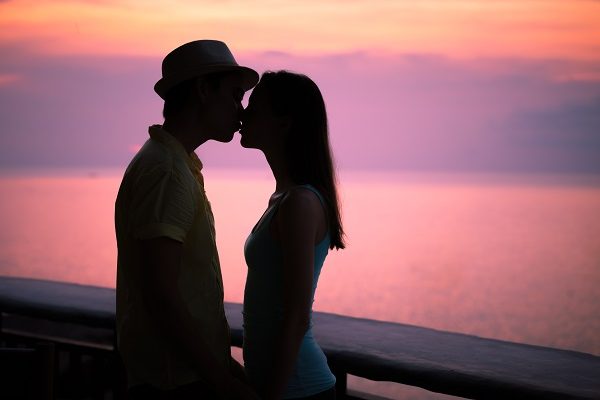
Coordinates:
column 261, row 129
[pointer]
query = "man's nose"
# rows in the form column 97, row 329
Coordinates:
column 242, row 114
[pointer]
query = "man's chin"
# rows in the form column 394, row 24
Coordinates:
column 226, row 138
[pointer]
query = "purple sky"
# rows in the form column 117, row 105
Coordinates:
column 390, row 112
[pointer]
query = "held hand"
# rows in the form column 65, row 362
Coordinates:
column 237, row 371
column 240, row 391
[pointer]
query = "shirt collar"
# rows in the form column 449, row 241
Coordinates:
column 158, row 133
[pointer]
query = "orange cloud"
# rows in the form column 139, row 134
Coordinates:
column 134, row 148
column 456, row 28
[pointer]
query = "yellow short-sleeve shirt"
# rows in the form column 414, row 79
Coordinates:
column 162, row 195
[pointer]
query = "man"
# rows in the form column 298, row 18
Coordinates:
column 171, row 328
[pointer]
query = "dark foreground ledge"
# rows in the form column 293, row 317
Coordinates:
column 444, row 362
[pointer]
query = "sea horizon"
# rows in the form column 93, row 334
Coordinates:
column 585, row 178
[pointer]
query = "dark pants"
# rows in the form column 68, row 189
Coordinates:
column 195, row 391
column 326, row 395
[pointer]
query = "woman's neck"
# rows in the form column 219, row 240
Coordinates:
column 280, row 171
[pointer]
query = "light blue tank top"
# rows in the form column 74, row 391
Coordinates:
column 263, row 313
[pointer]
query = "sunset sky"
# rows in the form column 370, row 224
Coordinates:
column 445, row 85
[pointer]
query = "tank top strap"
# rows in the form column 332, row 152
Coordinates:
column 268, row 215
column 315, row 191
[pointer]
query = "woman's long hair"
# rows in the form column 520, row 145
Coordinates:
column 307, row 149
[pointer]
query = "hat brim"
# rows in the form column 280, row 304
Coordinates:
column 249, row 77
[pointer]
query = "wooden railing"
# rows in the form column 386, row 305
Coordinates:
column 444, row 362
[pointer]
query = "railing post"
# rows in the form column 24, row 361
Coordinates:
column 119, row 375
column 341, row 380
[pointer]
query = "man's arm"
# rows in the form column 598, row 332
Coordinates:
column 161, row 261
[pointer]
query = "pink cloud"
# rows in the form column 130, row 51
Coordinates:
column 9, row 79
column 411, row 111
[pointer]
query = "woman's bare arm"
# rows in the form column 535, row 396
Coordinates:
column 298, row 222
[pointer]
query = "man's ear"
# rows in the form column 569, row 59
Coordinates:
column 202, row 89
column 285, row 123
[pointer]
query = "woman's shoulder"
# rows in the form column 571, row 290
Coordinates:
column 301, row 213
column 302, row 196
column 300, row 202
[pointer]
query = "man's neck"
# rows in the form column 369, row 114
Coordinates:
column 186, row 132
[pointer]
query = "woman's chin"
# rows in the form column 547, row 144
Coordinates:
column 245, row 144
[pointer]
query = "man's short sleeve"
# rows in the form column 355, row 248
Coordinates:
column 163, row 205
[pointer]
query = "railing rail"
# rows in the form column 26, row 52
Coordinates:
column 444, row 362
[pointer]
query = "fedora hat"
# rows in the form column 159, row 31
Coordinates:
column 198, row 58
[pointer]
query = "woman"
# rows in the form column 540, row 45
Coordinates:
column 286, row 120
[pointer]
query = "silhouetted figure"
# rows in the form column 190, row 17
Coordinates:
column 172, row 332
column 287, row 121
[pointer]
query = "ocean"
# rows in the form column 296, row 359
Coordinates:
column 511, row 257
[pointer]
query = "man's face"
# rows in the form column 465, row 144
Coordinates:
column 223, row 108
